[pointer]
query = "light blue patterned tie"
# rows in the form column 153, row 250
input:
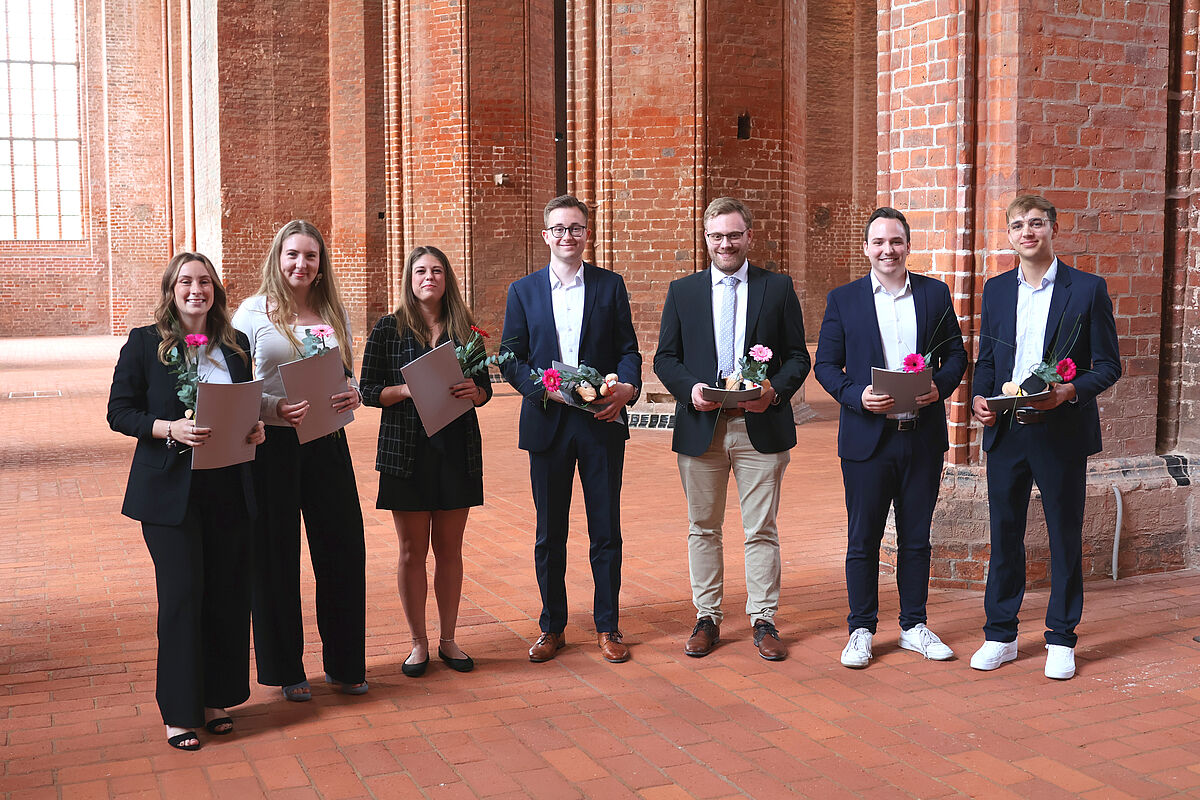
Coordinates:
column 728, row 327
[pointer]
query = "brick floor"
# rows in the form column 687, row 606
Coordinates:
column 78, row 718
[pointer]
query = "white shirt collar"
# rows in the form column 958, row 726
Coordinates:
column 743, row 273
column 1047, row 279
column 555, row 283
column 877, row 286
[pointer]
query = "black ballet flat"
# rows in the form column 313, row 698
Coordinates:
column 177, row 741
column 415, row 670
column 464, row 664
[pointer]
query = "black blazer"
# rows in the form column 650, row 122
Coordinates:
column 1080, row 326
column 144, row 390
column 608, row 343
column 687, row 355
column 388, row 350
column 850, row 344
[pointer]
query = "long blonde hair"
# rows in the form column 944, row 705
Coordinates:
column 216, row 324
column 455, row 316
column 323, row 297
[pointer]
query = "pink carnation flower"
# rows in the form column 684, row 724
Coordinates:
column 1066, row 369
column 552, row 380
column 914, row 362
column 761, row 353
column 195, row 340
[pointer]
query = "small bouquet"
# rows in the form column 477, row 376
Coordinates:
column 1048, row 371
column 583, row 381
column 473, row 357
column 186, row 366
column 752, row 369
column 315, row 341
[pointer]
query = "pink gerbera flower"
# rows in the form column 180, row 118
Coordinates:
column 761, row 353
column 552, row 380
column 321, row 331
column 1066, row 369
column 914, row 362
column 195, row 340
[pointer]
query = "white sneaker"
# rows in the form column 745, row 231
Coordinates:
column 993, row 654
column 921, row 640
column 1060, row 662
column 858, row 650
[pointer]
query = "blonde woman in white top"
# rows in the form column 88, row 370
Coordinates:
column 298, row 291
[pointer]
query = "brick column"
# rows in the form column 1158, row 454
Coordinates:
column 1034, row 96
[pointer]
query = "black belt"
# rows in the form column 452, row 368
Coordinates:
column 900, row 424
column 1030, row 416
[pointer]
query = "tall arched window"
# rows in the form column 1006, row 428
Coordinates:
column 40, row 173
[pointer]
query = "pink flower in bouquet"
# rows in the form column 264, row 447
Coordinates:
column 1066, row 369
column 914, row 362
column 552, row 380
column 195, row 340
column 321, row 331
column 761, row 353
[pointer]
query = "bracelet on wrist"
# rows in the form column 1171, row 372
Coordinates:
column 171, row 443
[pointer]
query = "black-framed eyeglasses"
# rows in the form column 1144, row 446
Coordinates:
column 559, row 231
column 733, row 237
column 1035, row 224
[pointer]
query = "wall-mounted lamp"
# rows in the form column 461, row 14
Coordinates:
column 500, row 178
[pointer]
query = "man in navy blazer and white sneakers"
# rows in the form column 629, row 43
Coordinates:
column 710, row 320
column 889, row 457
column 1041, row 311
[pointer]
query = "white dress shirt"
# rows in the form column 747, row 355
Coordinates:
column 567, row 301
column 1033, row 309
column 897, row 317
column 212, row 367
column 718, row 299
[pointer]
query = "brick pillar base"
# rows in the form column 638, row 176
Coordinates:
column 1156, row 494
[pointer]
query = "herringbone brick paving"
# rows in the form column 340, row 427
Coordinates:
column 78, row 718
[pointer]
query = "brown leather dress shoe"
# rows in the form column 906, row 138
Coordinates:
column 766, row 639
column 546, row 647
column 612, row 648
column 704, row 638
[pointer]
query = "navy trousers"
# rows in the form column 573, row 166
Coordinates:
column 1019, row 457
column 904, row 471
column 600, row 460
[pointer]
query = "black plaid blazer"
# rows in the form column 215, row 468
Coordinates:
column 386, row 352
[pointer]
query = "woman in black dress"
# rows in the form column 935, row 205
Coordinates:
column 428, row 483
column 197, row 525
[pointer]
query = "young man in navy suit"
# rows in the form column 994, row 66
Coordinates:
column 710, row 320
column 574, row 313
column 1041, row 310
column 889, row 457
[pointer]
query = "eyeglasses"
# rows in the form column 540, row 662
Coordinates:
column 733, row 237
column 1035, row 224
column 559, row 231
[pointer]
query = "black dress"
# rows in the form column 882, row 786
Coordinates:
column 418, row 472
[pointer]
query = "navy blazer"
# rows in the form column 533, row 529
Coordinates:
column 850, row 345
column 607, row 343
column 687, row 355
column 1080, row 326
column 143, row 390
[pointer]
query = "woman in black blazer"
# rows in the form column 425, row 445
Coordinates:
column 428, row 483
column 197, row 525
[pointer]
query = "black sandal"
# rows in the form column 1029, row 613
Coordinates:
column 177, row 741
column 219, row 726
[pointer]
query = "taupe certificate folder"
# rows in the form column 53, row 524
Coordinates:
column 429, row 379
column 316, row 379
column 230, row 409
column 1007, row 402
column 729, row 398
column 904, row 387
